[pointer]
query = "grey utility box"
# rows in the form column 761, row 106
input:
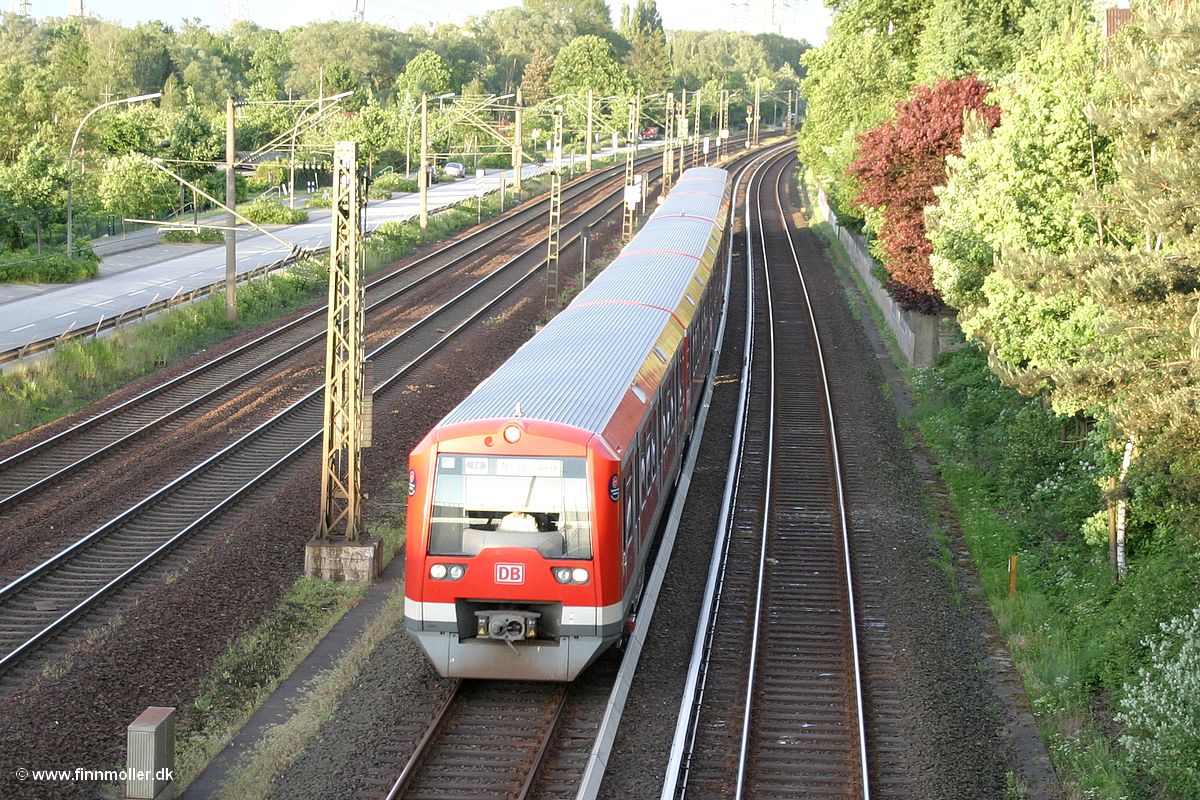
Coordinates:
column 150, row 742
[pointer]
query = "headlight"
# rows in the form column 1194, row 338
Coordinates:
column 451, row 572
column 568, row 575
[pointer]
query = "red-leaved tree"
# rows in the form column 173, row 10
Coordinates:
column 899, row 162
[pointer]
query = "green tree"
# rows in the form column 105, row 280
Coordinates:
column 1148, row 282
column 37, row 183
column 137, row 129
column 1141, row 373
column 535, row 81
column 853, row 82
column 195, row 143
column 587, row 17
column 427, row 73
column 373, row 54
column 968, row 37
column 1018, row 189
column 376, row 129
column 461, row 54
column 131, row 187
column 511, row 37
column 588, row 63
column 648, row 60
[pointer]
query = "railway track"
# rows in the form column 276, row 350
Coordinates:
column 42, row 466
column 504, row 739
column 774, row 701
column 517, row 740
column 36, row 608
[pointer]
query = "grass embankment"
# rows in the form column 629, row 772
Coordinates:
column 1079, row 637
column 255, row 665
column 83, row 370
column 258, row 662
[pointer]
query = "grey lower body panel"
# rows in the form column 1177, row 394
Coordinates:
column 496, row 660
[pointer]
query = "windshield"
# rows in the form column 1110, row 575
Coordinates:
column 494, row 501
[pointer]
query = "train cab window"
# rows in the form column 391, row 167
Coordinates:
column 492, row 501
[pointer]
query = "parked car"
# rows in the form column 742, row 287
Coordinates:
column 454, row 169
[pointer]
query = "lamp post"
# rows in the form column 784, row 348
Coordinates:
column 408, row 133
column 295, row 128
column 71, row 155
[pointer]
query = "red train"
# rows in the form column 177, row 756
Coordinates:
column 533, row 504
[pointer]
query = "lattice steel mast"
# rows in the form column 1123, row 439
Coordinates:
column 627, row 216
column 346, row 421
column 555, row 210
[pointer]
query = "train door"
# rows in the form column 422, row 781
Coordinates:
column 630, row 506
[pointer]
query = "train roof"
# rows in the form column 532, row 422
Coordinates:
column 577, row 369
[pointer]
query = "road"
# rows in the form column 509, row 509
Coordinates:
column 130, row 280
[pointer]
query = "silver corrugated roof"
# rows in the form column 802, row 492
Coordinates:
column 577, row 369
column 607, row 343
column 630, row 280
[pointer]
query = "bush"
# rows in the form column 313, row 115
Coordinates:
column 495, row 161
column 321, row 198
column 26, row 266
column 266, row 212
column 394, row 239
column 394, row 182
column 185, row 236
column 378, row 193
column 1161, row 710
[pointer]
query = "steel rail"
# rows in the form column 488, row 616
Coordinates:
column 843, row 521
column 26, row 580
column 410, row 767
column 63, row 437
column 687, row 729
column 693, row 692
column 766, row 519
column 467, row 703
column 598, row 759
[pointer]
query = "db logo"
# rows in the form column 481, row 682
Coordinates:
column 510, row 573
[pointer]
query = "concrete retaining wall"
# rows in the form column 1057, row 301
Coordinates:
column 917, row 334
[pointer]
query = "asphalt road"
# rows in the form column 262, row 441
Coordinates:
column 132, row 279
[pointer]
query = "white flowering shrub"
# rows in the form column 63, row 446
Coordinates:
column 1095, row 528
column 1161, row 710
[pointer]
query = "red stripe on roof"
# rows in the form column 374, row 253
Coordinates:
column 678, row 321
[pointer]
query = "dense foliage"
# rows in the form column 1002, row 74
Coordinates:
column 266, row 212
column 54, row 71
column 1061, row 221
column 899, row 163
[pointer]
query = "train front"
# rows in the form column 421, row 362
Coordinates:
column 503, row 571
